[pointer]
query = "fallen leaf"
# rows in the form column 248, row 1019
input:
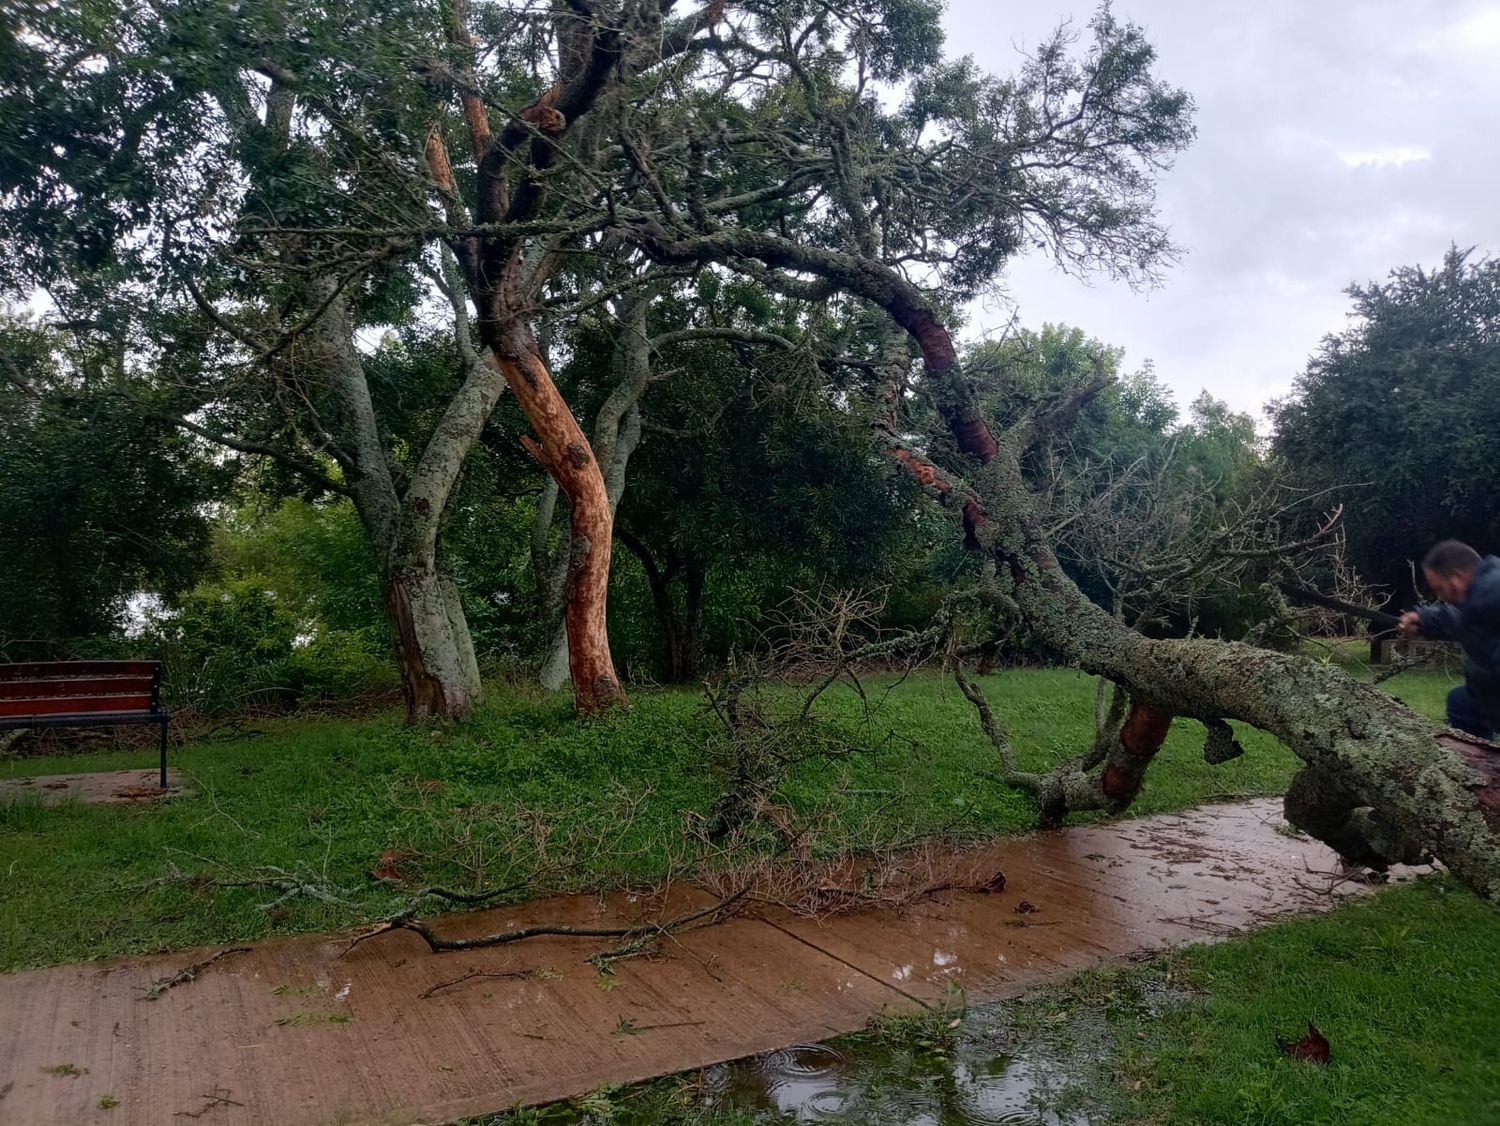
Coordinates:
column 1313, row 1046
column 994, row 885
column 389, row 865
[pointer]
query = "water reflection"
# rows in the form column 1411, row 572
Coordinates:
column 974, row 1077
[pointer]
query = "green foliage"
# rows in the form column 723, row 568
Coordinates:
column 289, row 615
column 1125, row 475
column 1405, row 405
column 100, row 502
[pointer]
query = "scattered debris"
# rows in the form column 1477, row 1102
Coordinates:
column 312, row 1016
column 438, row 944
column 628, row 1027
column 1026, row 907
column 189, row 973
column 518, row 975
column 220, row 1097
column 297, row 991
column 142, row 792
column 389, row 867
column 1313, row 1046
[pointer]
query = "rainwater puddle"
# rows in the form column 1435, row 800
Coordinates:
column 1047, row 1059
column 971, row 1075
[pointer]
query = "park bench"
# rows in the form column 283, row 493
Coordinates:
column 84, row 694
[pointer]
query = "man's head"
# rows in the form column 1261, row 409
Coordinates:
column 1449, row 569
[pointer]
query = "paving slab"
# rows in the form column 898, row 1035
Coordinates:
column 309, row 1032
column 105, row 788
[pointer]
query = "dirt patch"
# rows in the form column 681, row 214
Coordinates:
column 95, row 789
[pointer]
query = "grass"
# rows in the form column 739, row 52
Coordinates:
column 318, row 803
column 1402, row 984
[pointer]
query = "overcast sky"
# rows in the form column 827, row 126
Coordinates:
column 1337, row 139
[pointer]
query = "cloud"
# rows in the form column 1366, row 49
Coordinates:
column 1396, row 155
column 1337, row 141
column 1479, row 32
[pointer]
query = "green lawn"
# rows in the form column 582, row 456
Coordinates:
column 462, row 804
column 1405, row 988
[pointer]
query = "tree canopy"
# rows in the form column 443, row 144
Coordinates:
column 1403, row 407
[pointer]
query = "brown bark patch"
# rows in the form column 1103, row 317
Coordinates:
column 1484, row 758
column 548, row 120
column 1144, row 732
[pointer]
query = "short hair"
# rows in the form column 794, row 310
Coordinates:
column 1451, row 557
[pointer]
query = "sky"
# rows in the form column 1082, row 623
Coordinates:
column 1337, row 140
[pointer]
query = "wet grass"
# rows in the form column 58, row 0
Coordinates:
column 1403, row 985
column 317, row 803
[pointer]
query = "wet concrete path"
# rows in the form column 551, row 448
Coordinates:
column 291, row 1032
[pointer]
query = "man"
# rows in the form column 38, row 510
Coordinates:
column 1467, row 611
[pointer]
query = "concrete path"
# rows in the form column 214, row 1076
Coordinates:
column 290, row 1032
column 95, row 789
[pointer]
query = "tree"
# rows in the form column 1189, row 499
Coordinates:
column 1405, row 405
column 174, row 134
column 1065, row 154
column 98, row 505
column 754, row 139
column 757, row 478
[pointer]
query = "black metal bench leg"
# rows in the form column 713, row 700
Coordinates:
column 163, row 754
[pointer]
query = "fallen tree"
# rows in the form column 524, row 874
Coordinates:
column 1380, row 783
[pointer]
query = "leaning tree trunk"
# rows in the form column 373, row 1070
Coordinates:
column 617, row 434
column 562, row 449
column 1418, row 789
column 1379, row 772
column 510, row 188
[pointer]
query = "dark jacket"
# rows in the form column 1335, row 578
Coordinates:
column 1476, row 626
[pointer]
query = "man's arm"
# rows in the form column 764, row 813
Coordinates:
column 1437, row 622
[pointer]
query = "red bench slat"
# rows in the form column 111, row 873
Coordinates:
column 76, row 686
column 75, row 705
column 42, row 670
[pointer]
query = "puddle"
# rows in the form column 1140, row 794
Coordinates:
column 1048, row 1059
column 975, row 1074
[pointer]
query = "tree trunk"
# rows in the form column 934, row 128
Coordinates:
column 564, row 452
column 1406, row 790
column 681, row 638
column 617, row 434
column 682, row 665
column 439, row 674
column 434, row 650
column 554, row 674
column 1418, row 789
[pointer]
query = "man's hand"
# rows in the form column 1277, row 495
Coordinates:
column 1411, row 624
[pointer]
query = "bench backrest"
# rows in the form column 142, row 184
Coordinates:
column 54, row 688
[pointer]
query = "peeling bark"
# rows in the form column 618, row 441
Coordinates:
column 562, row 449
column 617, row 434
column 511, row 188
